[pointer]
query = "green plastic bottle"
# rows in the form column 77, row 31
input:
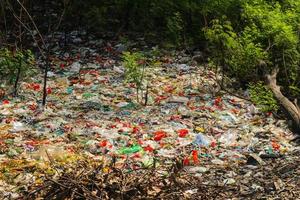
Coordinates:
column 129, row 150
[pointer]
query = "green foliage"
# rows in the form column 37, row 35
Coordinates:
column 175, row 26
column 263, row 97
column 237, row 53
column 15, row 64
column 222, row 39
column 133, row 68
column 265, row 36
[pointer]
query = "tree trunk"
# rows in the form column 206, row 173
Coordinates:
column 292, row 108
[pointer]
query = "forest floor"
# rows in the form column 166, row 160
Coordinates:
column 95, row 141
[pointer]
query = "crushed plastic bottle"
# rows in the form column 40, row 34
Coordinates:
column 129, row 150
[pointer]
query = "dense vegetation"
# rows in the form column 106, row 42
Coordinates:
column 246, row 39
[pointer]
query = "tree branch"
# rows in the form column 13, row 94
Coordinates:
column 289, row 106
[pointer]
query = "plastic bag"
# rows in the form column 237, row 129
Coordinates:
column 201, row 140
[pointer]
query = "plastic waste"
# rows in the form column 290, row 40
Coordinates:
column 178, row 99
column 75, row 67
column 87, row 95
column 129, row 150
column 229, row 181
column 168, row 153
column 217, row 161
column 183, row 67
column 122, row 104
column 70, row 90
column 228, row 138
column 197, row 170
column 201, row 140
column 119, row 69
column 182, row 132
column 230, row 118
column 158, row 135
column 195, row 157
column 18, row 126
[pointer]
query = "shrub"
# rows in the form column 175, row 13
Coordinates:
column 15, row 65
column 266, row 36
column 263, row 97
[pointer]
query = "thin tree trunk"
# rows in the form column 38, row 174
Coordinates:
column 45, row 80
column 17, row 79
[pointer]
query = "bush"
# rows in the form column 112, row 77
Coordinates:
column 15, row 65
column 265, row 37
column 263, row 97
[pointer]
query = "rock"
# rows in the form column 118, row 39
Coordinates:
column 178, row 99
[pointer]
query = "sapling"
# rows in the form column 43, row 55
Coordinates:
column 134, row 69
column 14, row 64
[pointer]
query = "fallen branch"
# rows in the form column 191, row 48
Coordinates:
column 292, row 108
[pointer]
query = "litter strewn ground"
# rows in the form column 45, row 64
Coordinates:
column 189, row 137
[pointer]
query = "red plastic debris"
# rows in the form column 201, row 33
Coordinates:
column 276, row 146
column 186, row 161
column 269, row 114
column 103, row 143
column 218, row 100
column 183, row 132
column 159, row 135
column 62, row 65
column 160, row 98
column 136, row 155
column 235, row 111
column 5, row 102
column 140, row 142
column 135, row 129
column 148, row 148
column 195, row 156
column 175, row 117
column 36, row 87
column 32, row 107
column 49, row 90
column 213, row 144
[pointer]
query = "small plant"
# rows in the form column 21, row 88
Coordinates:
column 14, row 65
column 263, row 97
column 134, row 69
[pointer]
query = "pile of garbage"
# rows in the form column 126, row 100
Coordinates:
column 93, row 115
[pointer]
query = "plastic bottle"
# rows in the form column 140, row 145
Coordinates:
column 129, row 150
